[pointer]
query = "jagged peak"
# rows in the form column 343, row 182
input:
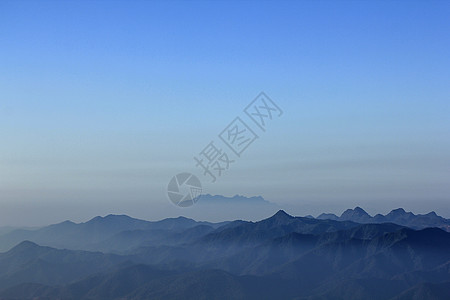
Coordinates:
column 358, row 210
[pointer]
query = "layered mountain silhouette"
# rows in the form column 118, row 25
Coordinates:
column 397, row 216
column 102, row 233
column 280, row 257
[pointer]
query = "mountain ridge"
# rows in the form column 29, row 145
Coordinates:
column 282, row 256
column 397, row 216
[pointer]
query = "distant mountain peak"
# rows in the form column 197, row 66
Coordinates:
column 110, row 218
column 253, row 197
column 397, row 216
column 67, row 222
column 24, row 246
column 236, row 199
column 397, row 212
column 357, row 215
column 356, row 211
column 27, row 244
column 281, row 214
column 360, row 210
column 327, row 216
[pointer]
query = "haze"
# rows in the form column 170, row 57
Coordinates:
column 101, row 103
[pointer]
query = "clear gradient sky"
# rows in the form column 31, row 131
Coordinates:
column 102, row 102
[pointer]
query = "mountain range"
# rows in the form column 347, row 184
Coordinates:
column 397, row 216
column 280, row 257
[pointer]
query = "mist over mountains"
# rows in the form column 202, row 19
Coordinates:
column 354, row 256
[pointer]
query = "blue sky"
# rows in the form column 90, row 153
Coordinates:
column 102, row 102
